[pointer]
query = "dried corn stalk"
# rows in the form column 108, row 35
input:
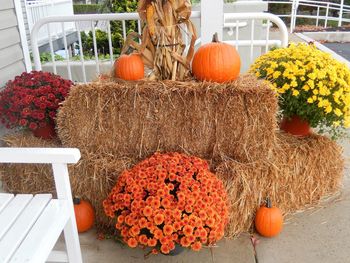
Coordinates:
column 163, row 48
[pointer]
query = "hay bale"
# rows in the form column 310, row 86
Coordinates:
column 135, row 119
column 297, row 175
column 92, row 178
column 27, row 178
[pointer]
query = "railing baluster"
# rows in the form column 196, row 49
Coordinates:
column 110, row 42
column 66, row 51
column 81, row 52
column 267, row 36
column 292, row 17
column 318, row 14
column 237, row 33
column 51, row 50
column 341, row 12
column 326, row 20
column 139, row 29
column 252, row 40
column 95, row 48
column 124, row 29
column 185, row 33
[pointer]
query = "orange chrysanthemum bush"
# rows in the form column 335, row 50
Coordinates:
column 169, row 199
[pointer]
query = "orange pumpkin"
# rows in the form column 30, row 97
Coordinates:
column 268, row 220
column 129, row 67
column 218, row 62
column 84, row 214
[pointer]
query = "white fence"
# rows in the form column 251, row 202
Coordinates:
column 320, row 11
column 38, row 9
column 255, row 43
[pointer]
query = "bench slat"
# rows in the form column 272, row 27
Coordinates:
column 14, row 236
column 12, row 211
column 36, row 247
column 4, row 200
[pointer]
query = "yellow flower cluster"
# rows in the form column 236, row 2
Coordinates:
column 309, row 82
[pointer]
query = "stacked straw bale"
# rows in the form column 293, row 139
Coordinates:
column 232, row 125
column 298, row 174
column 135, row 119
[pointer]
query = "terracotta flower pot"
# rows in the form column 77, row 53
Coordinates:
column 296, row 126
column 47, row 132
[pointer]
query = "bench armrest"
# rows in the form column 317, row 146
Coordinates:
column 39, row 155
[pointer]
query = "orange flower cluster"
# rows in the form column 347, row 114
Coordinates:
column 169, row 199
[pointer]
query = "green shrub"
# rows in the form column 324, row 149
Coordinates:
column 111, row 6
column 46, row 57
column 101, row 42
column 87, row 9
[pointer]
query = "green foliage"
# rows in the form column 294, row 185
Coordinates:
column 89, row 57
column 46, row 57
column 101, row 42
column 111, row 6
column 87, row 9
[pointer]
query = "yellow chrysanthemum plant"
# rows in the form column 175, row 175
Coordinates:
column 310, row 84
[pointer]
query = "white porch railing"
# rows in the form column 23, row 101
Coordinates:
column 261, row 39
column 38, row 9
column 255, row 43
column 77, row 19
column 317, row 7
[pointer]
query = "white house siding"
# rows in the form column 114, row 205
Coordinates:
column 11, row 54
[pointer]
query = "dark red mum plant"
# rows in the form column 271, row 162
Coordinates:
column 31, row 100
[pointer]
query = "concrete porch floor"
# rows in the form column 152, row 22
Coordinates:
column 108, row 251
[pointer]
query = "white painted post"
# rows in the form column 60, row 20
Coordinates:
column 341, row 12
column 212, row 19
column 23, row 35
column 318, row 14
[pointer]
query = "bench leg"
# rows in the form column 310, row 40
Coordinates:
column 60, row 172
column 72, row 242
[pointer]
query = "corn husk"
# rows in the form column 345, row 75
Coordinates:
column 163, row 48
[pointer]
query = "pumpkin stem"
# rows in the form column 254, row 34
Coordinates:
column 215, row 38
column 76, row 200
column 268, row 202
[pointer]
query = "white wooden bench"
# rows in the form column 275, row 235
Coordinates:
column 31, row 225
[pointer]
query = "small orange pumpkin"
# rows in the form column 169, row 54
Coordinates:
column 84, row 214
column 129, row 67
column 268, row 220
column 218, row 62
